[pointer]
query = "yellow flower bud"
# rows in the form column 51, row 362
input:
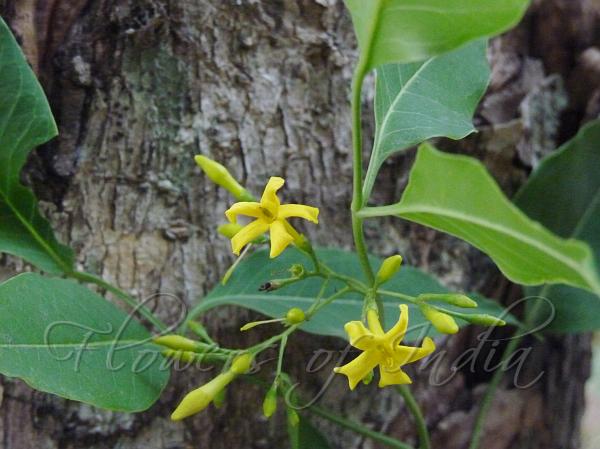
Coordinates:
column 229, row 229
column 218, row 174
column 368, row 378
column 443, row 322
column 270, row 402
column 199, row 399
column 242, row 363
column 295, row 316
column 177, row 342
column 389, row 267
column 455, row 299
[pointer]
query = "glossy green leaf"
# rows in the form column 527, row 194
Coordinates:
column 455, row 194
column 417, row 101
column 25, row 122
column 242, row 290
column 414, row 30
column 62, row 338
column 564, row 195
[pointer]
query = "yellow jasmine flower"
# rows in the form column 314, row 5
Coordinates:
column 270, row 215
column 383, row 349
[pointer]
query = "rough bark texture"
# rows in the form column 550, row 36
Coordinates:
column 140, row 86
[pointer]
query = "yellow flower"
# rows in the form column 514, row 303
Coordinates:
column 383, row 349
column 270, row 215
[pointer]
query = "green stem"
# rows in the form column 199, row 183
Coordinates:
column 93, row 279
column 358, row 428
column 357, row 198
column 414, row 408
column 490, row 392
column 403, row 296
column 378, row 211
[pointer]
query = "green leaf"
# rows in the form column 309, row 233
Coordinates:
column 564, row 195
column 413, row 30
column 242, row 290
column 455, row 194
column 62, row 338
column 25, row 122
column 417, row 101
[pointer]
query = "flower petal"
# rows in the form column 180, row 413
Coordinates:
column 397, row 332
column 280, row 238
column 393, row 376
column 360, row 337
column 374, row 323
column 299, row 210
column 269, row 198
column 247, row 234
column 250, row 209
column 409, row 354
column 359, row 368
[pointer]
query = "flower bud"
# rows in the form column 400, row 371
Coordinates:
column 270, row 402
column 218, row 174
column 443, row 322
column 184, row 356
column 292, row 417
column 455, row 299
column 368, row 378
column 484, row 320
column 229, row 230
column 177, row 342
column 297, row 270
column 242, row 363
column 389, row 267
column 197, row 400
column 295, row 316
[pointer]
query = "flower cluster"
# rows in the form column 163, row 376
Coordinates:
column 378, row 348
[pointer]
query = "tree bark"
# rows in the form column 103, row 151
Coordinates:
column 140, row 86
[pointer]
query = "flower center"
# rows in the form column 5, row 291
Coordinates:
column 388, row 356
column 268, row 216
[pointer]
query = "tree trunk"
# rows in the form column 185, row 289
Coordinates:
column 140, row 86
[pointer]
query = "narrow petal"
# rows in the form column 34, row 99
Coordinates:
column 409, row 354
column 396, row 333
column 269, row 198
column 360, row 337
column 299, row 210
column 374, row 323
column 359, row 368
column 247, row 234
column 392, row 377
column 280, row 238
column 244, row 208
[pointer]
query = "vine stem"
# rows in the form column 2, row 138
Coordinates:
column 135, row 305
column 414, row 408
column 357, row 197
column 355, row 427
